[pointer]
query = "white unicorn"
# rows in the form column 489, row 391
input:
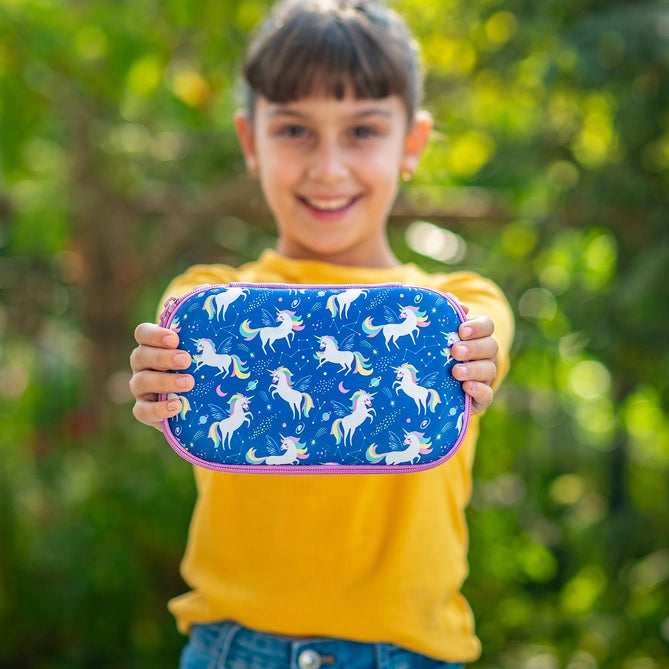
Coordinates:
column 361, row 405
column 217, row 305
column 294, row 451
column 407, row 382
column 411, row 320
column 330, row 352
column 340, row 302
column 221, row 431
column 205, row 354
column 294, row 396
column 415, row 444
column 451, row 338
column 288, row 322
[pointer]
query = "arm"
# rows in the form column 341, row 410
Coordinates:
column 155, row 355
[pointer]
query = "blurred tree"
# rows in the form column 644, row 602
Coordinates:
column 119, row 167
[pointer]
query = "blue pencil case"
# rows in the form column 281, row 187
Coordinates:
column 299, row 379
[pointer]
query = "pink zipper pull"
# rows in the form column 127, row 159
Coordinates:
column 168, row 310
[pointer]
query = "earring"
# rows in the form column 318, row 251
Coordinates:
column 406, row 175
column 252, row 172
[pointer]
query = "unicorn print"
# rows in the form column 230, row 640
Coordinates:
column 451, row 338
column 361, row 405
column 411, row 319
column 205, row 354
column 217, row 305
column 293, row 451
column 407, row 382
column 221, row 431
column 339, row 303
column 330, row 352
column 416, row 445
column 282, row 387
column 288, row 322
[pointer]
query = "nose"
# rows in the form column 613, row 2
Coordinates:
column 328, row 161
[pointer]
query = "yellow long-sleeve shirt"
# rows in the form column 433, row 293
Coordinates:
column 376, row 558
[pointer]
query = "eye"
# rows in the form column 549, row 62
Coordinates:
column 364, row 132
column 293, row 131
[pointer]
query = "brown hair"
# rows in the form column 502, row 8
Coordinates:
column 330, row 46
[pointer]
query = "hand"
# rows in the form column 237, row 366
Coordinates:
column 478, row 349
column 151, row 361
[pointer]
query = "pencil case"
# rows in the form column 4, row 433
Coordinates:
column 317, row 379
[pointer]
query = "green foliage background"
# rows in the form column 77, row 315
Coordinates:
column 119, row 167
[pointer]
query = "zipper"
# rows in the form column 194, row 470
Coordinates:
column 169, row 307
column 172, row 304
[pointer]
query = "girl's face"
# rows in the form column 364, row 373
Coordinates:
column 329, row 171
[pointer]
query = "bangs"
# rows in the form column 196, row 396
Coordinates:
column 319, row 53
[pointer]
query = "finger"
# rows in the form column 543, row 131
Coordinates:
column 150, row 357
column 476, row 328
column 150, row 334
column 148, row 383
column 480, row 393
column 154, row 413
column 475, row 349
column 482, row 371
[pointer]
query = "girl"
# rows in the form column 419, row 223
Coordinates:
column 336, row 571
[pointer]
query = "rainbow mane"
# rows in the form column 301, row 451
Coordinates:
column 425, row 443
column 295, row 320
column 411, row 369
column 237, row 397
column 421, row 318
column 359, row 395
column 300, row 446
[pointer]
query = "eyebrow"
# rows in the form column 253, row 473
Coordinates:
column 293, row 113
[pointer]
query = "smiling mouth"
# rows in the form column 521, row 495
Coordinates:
column 329, row 205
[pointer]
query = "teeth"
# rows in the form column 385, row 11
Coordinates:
column 329, row 205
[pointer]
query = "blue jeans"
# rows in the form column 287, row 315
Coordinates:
column 230, row 646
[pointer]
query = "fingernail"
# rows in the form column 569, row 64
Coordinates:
column 181, row 360
column 463, row 371
column 173, row 406
column 467, row 332
column 170, row 340
column 463, row 352
column 183, row 381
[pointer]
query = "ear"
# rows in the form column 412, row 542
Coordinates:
column 415, row 141
column 244, row 128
